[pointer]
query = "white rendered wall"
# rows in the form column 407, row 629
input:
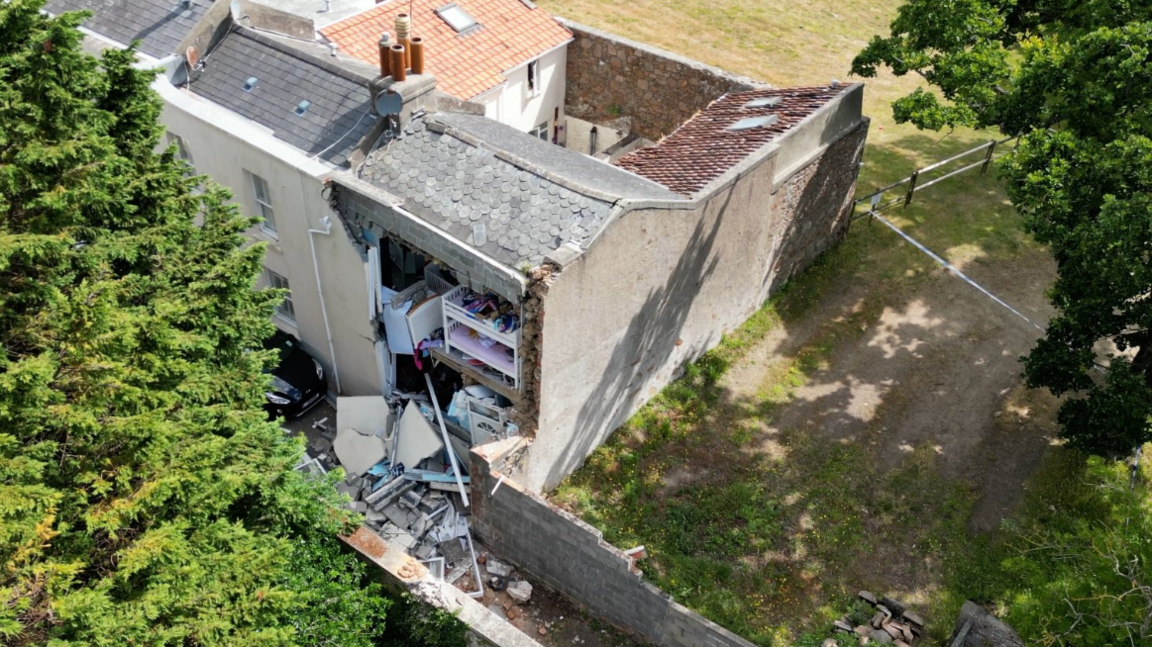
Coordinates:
column 510, row 105
column 223, row 146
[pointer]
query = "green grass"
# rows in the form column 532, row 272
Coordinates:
column 763, row 546
column 773, row 546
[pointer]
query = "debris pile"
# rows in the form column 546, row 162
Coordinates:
column 502, row 577
column 409, row 480
column 891, row 624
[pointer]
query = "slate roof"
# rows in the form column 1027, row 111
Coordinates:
column 335, row 122
column 703, row 149
column 574, row 167
column 159, row 25
column 452, row 179
column 466, row 64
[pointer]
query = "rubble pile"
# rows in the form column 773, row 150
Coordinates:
column 892, row 624
column 409, row 480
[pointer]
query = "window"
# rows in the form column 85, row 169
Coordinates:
column 285, row 308
column 181, row 151
column 532, row 89
column 749, row 123
column 264, row 200
column 540, row 131
column 456, row 17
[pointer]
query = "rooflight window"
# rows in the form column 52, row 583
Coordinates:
column 754, row 122
column 456, row 17
column 767, row 102
column 250, row 83
column 302, row 107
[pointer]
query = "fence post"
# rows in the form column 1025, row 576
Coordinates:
column 872, row 207
column 911, row 188
column 988, row 157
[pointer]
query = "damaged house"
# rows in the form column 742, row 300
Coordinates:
column 507, row 225
column 413, row 230
column 615, row 275
column 501, row 233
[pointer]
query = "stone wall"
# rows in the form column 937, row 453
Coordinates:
column 610, row 77
column 813, row 207
column 572, row 557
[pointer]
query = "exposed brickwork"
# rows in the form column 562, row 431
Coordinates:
column 526, row 414
column 609, row 77
column 704, row 148
column 814, row 206
column 572, row 558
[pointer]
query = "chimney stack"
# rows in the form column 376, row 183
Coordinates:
column 385, row 57
column 396, row 56
column 417, row 55
column 403, row 27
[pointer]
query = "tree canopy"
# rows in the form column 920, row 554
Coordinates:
column 144, row 497
column 1073, row 80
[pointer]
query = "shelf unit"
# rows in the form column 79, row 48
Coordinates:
column 503, row 356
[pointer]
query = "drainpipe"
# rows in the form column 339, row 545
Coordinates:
column 327, row 222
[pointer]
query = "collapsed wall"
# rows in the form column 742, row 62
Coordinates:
column 401, row 573
column 572, row 557
column 611, row 77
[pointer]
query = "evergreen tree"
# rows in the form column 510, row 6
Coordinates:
column 144, row 497
column 1071, row 79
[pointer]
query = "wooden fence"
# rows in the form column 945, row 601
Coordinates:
column 875, row 199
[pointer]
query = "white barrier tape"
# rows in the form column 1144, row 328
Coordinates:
column 952, row 269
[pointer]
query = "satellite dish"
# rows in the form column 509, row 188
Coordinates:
column 237, row 10
column 192, row 56
column 389, row 102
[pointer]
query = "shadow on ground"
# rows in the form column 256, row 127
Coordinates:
column 871, row 439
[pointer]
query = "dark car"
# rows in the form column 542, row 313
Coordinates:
column 297, row 382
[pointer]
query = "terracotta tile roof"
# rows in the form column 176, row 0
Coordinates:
column 703, row 149
column 510, row 33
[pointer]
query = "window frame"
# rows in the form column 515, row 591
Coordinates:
column 264, row 205
column 448, row 9
column 182, row 152
column 274, row 281
column 541, row 131
column 532, row 81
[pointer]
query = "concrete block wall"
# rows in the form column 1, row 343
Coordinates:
column 660, row 90
column 572, row 557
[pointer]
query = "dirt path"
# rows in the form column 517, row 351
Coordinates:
column 937, row 366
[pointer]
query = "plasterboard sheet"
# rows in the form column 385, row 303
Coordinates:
column 418, row 440
column 396, row 324
column 357, row 452
column 369, row 414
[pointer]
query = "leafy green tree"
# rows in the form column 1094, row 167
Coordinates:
column 144, row 497
column 1075, row 566
column 1071, row 78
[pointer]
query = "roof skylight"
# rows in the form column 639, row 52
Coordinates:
column 766, row 102
column 754, row 122
column 456, row 17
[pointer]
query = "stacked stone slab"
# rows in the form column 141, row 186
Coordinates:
column 892, row 624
